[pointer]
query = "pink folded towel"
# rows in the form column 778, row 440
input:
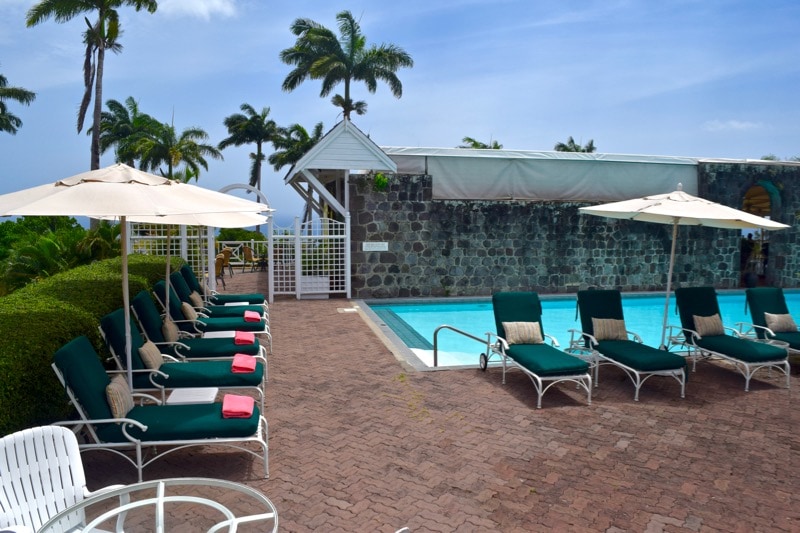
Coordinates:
column 244, row 337
column 243, row 363
column 251, row 316
column 235, row 406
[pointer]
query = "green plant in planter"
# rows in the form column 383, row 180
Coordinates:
column 380, row 182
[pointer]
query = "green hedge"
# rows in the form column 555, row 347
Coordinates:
column 40, row 318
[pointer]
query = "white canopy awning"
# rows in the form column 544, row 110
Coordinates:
column 466, row 174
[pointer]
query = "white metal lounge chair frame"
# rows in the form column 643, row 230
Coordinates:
column 677, row 338
column 164, row 495
column 198, row 331
column 139, row 461
column 162, row 389
column 498, row 348
column 187, row 356
column 638, row 377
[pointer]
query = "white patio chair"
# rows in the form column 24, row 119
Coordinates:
column 41, row 474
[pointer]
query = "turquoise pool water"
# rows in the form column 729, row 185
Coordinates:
column 414, row 323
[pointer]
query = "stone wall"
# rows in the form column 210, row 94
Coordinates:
column 727, row 183
column 466, row 248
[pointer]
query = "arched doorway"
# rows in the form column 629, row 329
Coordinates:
column 759, row 200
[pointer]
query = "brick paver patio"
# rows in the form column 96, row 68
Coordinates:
column 358, row 442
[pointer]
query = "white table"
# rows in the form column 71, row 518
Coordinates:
column 158, row 495
column 192, row 395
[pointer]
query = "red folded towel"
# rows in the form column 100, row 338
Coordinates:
column 251, row 316
column 235, row 406
column 243, row 363
column 244, row 337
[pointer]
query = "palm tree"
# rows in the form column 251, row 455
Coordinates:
column 9, row 122
column 292, row 143
column 470, row 142
column 318, row 54
column 99, row 37
column 250, row 127
column 572, row 146
column 122, row 126
column 166, row 148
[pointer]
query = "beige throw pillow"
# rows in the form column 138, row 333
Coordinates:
column 196, row 299
column 523, row 332
column 170, row 331
column 151, row 356
column 188, row 311
column 609, row 329
column 119, row 397
column 780, row 323
column 708, row 325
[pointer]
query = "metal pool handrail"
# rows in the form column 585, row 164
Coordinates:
column 486, row 342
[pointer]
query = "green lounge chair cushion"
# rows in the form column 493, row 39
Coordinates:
column 151, row 322
column 229, row 324
column 762, row 300
column 83, row 372
column 182, row 422
column 182, row 289
column 793, row 338
column 742, row 349
column 516, row 307
column 700, row 301
column 220, row 299
column 601, row 304
column 640, row 356
column 201, row 374
column 203, row 324
column 223, row 347
column 545, row 360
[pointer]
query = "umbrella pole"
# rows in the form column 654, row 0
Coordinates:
column 669, row 283
column 123, row 235
column 166, row 278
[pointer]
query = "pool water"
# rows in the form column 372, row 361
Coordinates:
column 414, row 323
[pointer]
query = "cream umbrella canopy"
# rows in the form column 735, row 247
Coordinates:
column 121, row 191
column 680, row 209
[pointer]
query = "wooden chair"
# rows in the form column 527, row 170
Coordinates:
column 226, row 254
column 251, row 258
column 219, row 269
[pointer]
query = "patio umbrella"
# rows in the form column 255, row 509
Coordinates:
column 217, row 220
column 680, row 209
column 121, row 191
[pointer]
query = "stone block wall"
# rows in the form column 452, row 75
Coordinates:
column 727, row 183
column 475, row 248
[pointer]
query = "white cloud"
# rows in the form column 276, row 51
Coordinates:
column 731, row 125
column 204, row 9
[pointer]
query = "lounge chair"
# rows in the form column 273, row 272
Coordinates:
column 771, row 317
column 162, row 428
column 154, row 370
column 183, row 345
column 704, row 335
column 195, row 323
column 216, row 298
column 544, row 364
column 194, row 299
column 41, row 475
column 604, row 332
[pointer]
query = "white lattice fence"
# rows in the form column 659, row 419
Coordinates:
column 311, row 259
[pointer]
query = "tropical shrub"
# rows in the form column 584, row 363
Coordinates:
column 43, row 316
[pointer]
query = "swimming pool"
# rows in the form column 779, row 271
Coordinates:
column 412, row 324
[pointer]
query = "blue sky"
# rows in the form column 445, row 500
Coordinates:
column 703, row 78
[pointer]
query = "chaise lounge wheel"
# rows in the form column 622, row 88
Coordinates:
column 484, row 362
